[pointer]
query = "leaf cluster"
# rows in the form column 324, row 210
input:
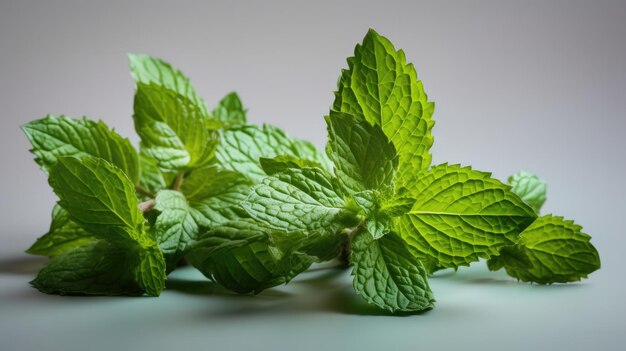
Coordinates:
column 251, row 208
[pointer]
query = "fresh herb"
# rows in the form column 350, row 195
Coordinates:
column 251, row 208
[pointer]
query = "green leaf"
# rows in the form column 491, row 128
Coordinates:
column 377, row 222
column 381, row 88
column 297, row 199
column 555, row 250
column 363, row 157
column 175, row 227
column 216, row 193
column 227, row 235
column 99, row 197
column 529, row 188
column 230, row 111
column 54, row 137
column 240, row 149
column 98, row 268
column 173, row 130
column 387, row 275
column 253, row 267
column 147, row 69
column 149, row 271
column 64, row 235
column 461, row 215
column 151, row 177
column 282, row 163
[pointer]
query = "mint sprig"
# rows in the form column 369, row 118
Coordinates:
column 251, row 208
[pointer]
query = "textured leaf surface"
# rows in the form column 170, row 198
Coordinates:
column 55, row 137
column 99, row 197
column 363, row 157
column 297, row 199
column 228, row 235
column 240, row 149
column 387, row 275
column 253, row 267
column 555, row 251
column 147, row 69
column 151, row 177
column 461, row 215
column 98, row 268
column 230, row 111
column 215, row 193
column 64, row 235
column 149, row 271
column 173, row 129
column 175, row 227
column 282, row 163
column 380, row 87
column 529, row 188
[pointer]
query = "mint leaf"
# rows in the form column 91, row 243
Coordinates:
column 381, row 88
column 176, row 227
column 253, row 268
column 551, row 250
column 98, row 268
column 151, row 178
column 297, row 199
column 225, row 236
column 284, row 162
column 529, row 188
column 149, row 271
column 216, row 193
column 173, row 129
column 460, row 215
column 363, row 156
column 230, row 111
column 151, row 70
column 99, row 197
column 64, row 235
column 240, row 149
column 54, row 137
column 387, row 275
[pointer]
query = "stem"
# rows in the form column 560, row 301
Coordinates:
column 147, row 206
column 344, row 254
column 144, row 191
column 178, row 181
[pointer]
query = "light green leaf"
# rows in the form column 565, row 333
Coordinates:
column 216, row 194
column 240, row 149
column 529, row 188
column 229, row 111
column 387, row 275
column 151, row 177
column 297, row 199
column 99, row 197
column 98, row 268
column 55, row 137
column 253, row 267
column 363, row 157
column 377, row 222
column 553, row 250
column 282, row 163
column 461, row 215
column 381, row 88
column 227, row 235
column 149, row 271
column 173, row 130
column 64, row 235
column 147, row 69
column 175, row 227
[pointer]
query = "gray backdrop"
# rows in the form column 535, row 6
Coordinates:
column 536, row 85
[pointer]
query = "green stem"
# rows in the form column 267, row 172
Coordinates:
column 178, row 181
column 144, row 191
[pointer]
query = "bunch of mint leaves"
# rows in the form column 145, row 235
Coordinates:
column 251, row 208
